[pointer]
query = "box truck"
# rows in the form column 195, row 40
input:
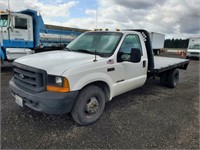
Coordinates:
column 157, row 42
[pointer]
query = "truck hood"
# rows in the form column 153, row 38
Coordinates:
column 56, row 62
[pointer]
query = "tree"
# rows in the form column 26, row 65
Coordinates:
column 176, row 43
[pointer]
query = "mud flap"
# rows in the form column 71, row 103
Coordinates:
column 2, row 55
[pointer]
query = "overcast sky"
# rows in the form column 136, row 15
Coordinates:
column 175, row 18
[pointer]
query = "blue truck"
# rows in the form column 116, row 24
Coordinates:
column 24, row 32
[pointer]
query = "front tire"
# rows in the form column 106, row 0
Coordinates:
column 89, row 105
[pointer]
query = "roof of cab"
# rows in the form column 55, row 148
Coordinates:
column 111, row 31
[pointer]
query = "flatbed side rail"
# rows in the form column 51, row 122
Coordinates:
column 181, row 65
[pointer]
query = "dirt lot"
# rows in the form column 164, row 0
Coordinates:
column 149, row 117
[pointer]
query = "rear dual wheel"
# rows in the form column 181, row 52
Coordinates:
column 163, row 79
column 170, row 78
column 173, row 78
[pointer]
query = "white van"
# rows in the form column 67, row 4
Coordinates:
column 193, row 49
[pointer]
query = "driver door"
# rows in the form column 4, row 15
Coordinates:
column 134, row 73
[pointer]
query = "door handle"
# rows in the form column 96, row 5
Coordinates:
column 144, row 63
column 110, row 69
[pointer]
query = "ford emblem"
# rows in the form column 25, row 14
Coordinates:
column 21, row 76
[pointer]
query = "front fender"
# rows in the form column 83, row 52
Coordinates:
column 78, row 82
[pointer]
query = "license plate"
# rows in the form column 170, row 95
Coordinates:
column 19, row 100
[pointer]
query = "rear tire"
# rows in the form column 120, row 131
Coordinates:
column 173, row 78
column 163, row 79
column 156, row 51
column 89, row 105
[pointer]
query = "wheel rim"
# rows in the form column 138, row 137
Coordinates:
column 92, row 107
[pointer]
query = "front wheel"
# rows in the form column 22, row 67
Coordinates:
column 89, row 105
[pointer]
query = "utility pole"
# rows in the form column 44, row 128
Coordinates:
column 97, row 14
column 9, row 6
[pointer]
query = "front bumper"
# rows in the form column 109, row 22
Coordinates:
column 195, row 55
column 47, row 102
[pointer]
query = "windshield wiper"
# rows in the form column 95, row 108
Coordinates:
column 83, row 51
column 66, row 48
column 88, row 52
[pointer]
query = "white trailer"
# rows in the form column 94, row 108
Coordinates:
column 157, row 42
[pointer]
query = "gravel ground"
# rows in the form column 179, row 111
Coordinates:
column 149, row 117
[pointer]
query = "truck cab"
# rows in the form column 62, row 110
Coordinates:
column 24, row 32
column 16, row 34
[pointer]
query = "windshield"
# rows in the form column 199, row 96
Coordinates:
column 195, row 46
column 3, row 20
column 104, row 43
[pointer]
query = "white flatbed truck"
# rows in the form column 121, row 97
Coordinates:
column 94, row 68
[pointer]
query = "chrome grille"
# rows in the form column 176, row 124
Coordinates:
column 32, row 79
column 195, row 53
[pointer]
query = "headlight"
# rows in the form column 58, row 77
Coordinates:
column 55, row 80
column 58, row 81
column 57, row 84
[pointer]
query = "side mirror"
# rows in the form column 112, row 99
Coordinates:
column 136, row 55
column 11, row 24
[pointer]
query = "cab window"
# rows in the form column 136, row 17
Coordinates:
column 20, row 23
column 3, row 20
column 130, row 41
